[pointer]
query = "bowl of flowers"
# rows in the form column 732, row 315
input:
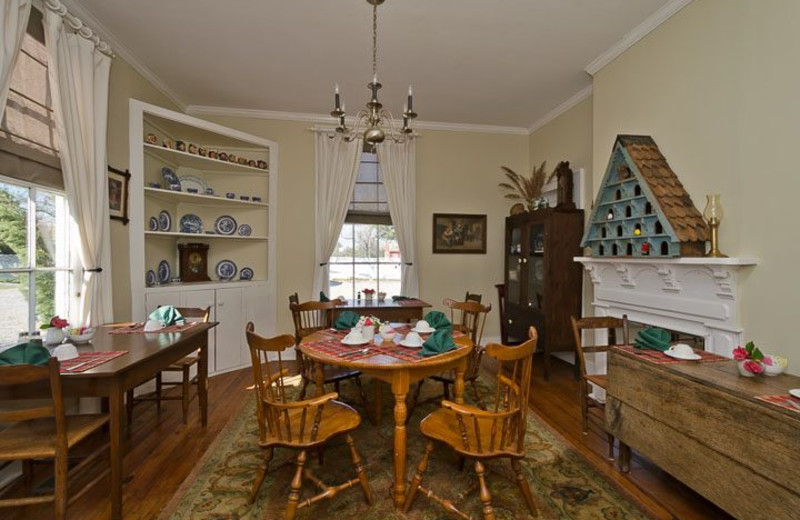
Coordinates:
column 369, row 294
column 54, row 330
column 774, row 364
column 750, row 358
column 78, row 335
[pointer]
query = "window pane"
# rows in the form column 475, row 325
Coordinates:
column 366, row 236
column 374, row 262
column 13, row 226
column 45, row 229
column 390, row 250
column 14, row 312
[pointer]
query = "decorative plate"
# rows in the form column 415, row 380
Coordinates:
column 191, row 223
column 246, row 274
column 225, row 225
column 163, row 271
column 193, row 182
column 423, row 331
column 151, row 277
column 693, row 357
column 164, row 221
column 153, row 224
column 405, row 343
column 795, row 392
column 354, row 343
column 226, row 269
column 245, row 230
column 169, row 176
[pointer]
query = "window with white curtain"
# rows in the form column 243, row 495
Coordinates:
column 367, row 255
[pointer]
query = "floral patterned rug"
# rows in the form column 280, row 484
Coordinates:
column 564, row 486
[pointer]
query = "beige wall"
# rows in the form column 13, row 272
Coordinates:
column 125, row 83
column 716, row 86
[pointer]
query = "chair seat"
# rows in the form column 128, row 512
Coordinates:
column 442, row 425
column 336, row 418
column 178, row 365
column 600, row 380
column 37, row 438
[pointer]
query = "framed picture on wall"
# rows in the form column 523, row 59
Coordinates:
column 459, row 233
column 118, row 194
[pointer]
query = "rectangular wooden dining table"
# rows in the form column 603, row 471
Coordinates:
column 146, row 355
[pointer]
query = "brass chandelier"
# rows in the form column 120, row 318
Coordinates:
column 374, row 123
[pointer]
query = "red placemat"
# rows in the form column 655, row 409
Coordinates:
column 784, row 401
column 659, row 358
column 87, row 360
column 137, row 328
column 332, row 346
column 413, row 302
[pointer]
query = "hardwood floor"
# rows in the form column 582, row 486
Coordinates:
column 162, row 453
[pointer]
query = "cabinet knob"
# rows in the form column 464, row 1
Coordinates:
column 510, row 322
column 530, row 304
column 524, row 260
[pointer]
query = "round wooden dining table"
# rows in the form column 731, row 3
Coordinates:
column 394, row 364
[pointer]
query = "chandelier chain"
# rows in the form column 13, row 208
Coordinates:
column 374, row 40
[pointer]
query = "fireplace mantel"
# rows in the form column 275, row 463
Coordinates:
column 698, row 296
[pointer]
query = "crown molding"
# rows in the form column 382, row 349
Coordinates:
column 640, row 31
column 584, row 93
column 203, row 110
column 123, row 52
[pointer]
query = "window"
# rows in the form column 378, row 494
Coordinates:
column 367, row 255
column 35, row 277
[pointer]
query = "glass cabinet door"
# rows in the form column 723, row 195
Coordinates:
column 514, row 257
column 535, row 266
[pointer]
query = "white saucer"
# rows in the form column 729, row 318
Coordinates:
column 354, row 343
column 426, row 331
column 795, row 392
column 409, row 345
column 693, row 357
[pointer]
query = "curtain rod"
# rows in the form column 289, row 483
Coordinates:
column 79, row 26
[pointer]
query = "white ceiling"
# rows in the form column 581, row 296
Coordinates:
column 484, row 62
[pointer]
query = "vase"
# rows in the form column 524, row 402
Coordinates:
column 743, row 371
column 53, row 336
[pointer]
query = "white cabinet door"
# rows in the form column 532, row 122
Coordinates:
column 230, row 331
column 255, row 303
column 154, row 300
column 202, row 299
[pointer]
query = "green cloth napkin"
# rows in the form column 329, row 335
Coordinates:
column 653, row 338
column 167, row 315
column 437, row 343
column 346, row 320
column 323, row 297
column 438, row 321
column 25, row 354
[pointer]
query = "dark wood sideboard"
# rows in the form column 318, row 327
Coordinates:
column 702, row 424
column 543, row 284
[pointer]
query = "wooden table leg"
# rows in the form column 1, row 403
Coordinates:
column 116, row 410
column 400, row 385
column 458, row 385
column 202, row 381
column 624, row 457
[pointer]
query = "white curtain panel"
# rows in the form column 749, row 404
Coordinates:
column 79, row 83
column 337, row 169
column 398, row 165
column 14, row 16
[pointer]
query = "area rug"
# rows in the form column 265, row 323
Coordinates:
column 563, row 484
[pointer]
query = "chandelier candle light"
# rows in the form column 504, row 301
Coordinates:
column 374, row 123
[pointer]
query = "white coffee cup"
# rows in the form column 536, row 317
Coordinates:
column 65, row 352
column 681, row 350
column 414, row 339
column 355, row 336
column 423, row 326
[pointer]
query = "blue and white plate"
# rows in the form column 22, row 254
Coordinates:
column 191, row 223
column 225, row 225
column 246, row 274
column 164, row 221
column 193, row 182
column 169, row 177
column 245, row 230
column 151, row 278
column 226, row 270
column 153, row 224
column 163, row 271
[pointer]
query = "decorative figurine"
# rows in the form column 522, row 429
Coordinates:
column 151, row 138
column 212, row 154
column 252, row 163
column 222, row 156
column 262, row 164
column 180, row 146
column 168, row 143
column 192, row 148
column 202, row 151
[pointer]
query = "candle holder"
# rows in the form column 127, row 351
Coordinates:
column 713, row 214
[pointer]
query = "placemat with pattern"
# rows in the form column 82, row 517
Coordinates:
column 413, row 302
column 659, row 358
column 332, row 346
column 784, row 401
column 138, row 328
column 88, row 360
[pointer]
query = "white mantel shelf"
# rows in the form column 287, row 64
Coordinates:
column 696, row 295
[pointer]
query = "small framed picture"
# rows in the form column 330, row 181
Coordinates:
column 118, row 194
column 459, row 233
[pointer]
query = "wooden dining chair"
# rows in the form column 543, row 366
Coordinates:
column 43, row 431
column 297, row 425
column 473, row 297
column 183, row 366
column 310, row 317
column 597, row 324
column 482, row 435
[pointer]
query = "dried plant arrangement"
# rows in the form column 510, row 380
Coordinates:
column 526, row 189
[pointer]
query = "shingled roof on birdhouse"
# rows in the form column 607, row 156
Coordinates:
column 642, row 209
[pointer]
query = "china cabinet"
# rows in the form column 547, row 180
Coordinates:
column 542, row 282
column 197, row 184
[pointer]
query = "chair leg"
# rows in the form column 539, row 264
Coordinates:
column 584, row 408
column 414, row 398
column 297, row 484
column 321, row 455
column 335, row 387
column 478, row 399
column 486, row 497
column 262, row 473
column 303, row 390
column 186, row 386
column 417, row 480
column 362, row 475
column 158, row 393
column 361, row 393
column 129, row 406
column 27, row 475
column 610, row 446
column 60, row 498
column 523, row 485
column 446, row 391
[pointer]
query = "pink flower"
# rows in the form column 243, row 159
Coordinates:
column 767, row 361
column 753, row 366
column 740, row 354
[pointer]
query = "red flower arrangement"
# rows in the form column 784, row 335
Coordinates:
column 369, row 292
column 56, row 322
column 750, row 359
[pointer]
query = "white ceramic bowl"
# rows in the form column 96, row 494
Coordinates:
column 86, row 337
column 778, row 365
